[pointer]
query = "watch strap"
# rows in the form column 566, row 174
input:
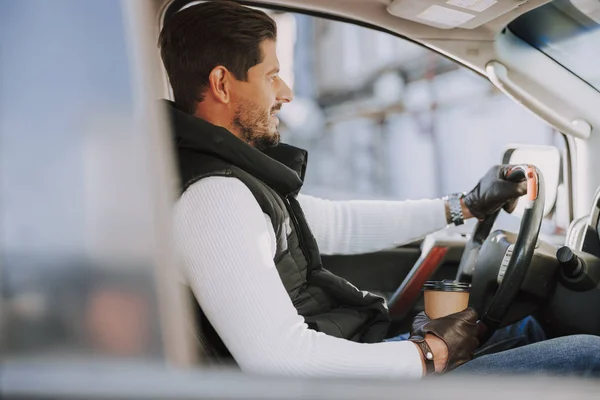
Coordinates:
column 455, row 208
column 427, row 355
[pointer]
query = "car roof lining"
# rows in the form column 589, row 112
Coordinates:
column 375, row 12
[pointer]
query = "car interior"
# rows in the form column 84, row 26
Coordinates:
column 496, row 40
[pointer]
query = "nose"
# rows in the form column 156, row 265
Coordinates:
column 285, row 94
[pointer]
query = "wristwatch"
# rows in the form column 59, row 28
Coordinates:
column 454, row 208
column 427, row 355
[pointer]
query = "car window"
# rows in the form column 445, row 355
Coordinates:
column 382, row 117
column 568, row 32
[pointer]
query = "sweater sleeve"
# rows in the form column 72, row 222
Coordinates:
column 361, row 226
column 225, row 245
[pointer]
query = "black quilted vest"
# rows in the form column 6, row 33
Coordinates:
column 328, row 303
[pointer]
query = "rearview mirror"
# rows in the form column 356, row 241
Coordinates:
column 547, row 160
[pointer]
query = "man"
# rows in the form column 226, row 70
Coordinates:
column 250, row 244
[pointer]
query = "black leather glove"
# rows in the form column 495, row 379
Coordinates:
column 494, row 192
column 459, row 331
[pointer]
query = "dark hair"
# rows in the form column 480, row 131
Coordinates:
column 197, row 39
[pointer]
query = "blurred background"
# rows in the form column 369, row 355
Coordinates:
column 386, row 117
column 84, row 198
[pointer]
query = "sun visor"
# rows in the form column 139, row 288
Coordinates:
column 449, row 14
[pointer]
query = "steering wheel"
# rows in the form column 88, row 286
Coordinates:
column 522, row 254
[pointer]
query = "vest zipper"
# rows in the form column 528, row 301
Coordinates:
column 298, row 232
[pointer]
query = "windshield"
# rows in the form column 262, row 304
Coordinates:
column 568, row 32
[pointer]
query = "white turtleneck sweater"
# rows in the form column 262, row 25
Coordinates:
column 227, row 244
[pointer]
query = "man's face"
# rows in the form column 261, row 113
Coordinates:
column 256, row 101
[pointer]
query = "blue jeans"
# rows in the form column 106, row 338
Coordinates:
column 524, row 332
column 570, row 355
column 523, row 348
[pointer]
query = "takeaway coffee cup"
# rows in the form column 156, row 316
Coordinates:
column 445, row 297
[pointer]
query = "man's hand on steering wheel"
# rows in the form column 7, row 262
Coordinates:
column 452, row 339
column 494, row 191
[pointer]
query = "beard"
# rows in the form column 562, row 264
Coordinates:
column 255, row 125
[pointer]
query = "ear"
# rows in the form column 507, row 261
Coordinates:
column 219, row 84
